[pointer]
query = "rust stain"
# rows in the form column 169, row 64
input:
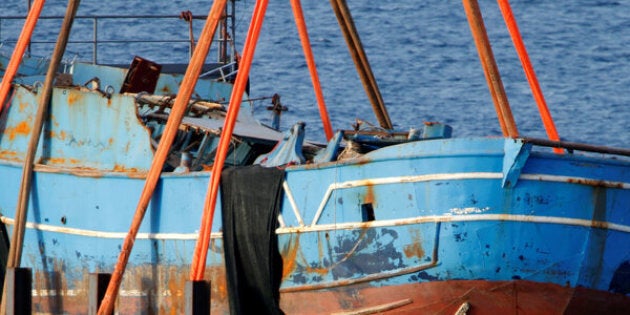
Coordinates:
column 62, row 135
column 322, row 271
column 23, row 129
column 166, row 90
column 161, row 288
column 176, row 283
column 73, row 98
column 363, row 161
column 56, row 160
column 23, row 106
column 369, row 195
column 54, row 120
column 9, row 155
column 594, row 182
column 320, row 246
column 123, row 169
column 289, row 256
column 415, row 248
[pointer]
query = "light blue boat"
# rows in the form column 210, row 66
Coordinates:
column 370, row 222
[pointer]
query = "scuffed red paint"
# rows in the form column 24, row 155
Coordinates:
column 446, row 297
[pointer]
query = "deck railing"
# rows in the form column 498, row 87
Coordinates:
column 96, row 32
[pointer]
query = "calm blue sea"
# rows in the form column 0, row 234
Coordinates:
column 425, row 62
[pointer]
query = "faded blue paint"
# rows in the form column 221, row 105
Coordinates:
column 516, row 154
column 85, row 130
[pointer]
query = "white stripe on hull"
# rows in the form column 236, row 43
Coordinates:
column 453, row 217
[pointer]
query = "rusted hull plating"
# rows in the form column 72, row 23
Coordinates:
column 447, row 297
column 438, row 297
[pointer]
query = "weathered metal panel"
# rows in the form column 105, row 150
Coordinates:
column 84, row 130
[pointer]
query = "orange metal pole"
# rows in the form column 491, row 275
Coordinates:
column 20, row 48
column 170, row 131
column 490, row 69
column 510, row 21
column 201, row 248
column 310, row 61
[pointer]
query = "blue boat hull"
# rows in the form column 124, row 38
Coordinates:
column 483, row 209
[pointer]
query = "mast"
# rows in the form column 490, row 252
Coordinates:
column 490, row 69
column 346, row 23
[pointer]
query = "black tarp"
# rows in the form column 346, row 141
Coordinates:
column 251, row 197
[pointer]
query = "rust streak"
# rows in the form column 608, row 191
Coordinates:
column 289, row 255
column 23, row 129
column 415, row 248
column 369, row 195
column 73, row 98
column 594, row 182
column 23, row 106
column 62, row 135
column 9, row 155
column 56, row 160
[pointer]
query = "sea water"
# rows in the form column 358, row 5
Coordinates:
column 423, row 58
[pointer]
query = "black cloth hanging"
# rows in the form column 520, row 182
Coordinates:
column 251, row 197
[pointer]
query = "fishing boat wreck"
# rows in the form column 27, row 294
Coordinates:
column 407, row 222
